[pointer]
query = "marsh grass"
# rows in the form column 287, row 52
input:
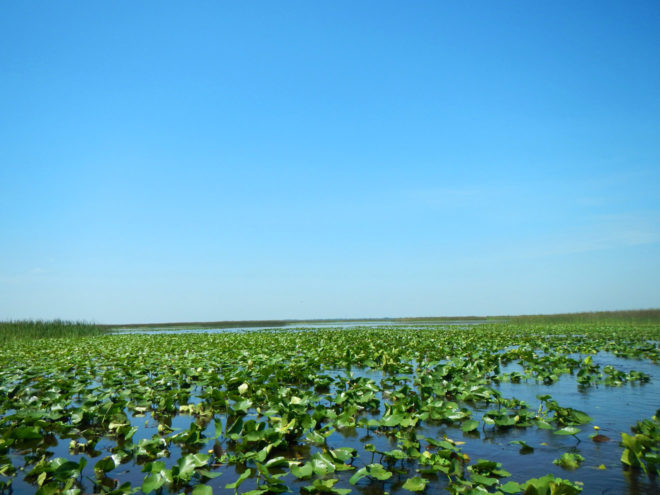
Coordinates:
column 39, row 329
column 626, row 316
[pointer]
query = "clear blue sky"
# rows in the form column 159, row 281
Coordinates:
column 172, row 161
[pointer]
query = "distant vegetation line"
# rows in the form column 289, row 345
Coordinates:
column 36, row 329
column 281, row 323
column 652, row 315
column 205, row 324
column 637, row 315
column 33, row 329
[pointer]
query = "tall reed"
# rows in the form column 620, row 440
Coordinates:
column 39, row 329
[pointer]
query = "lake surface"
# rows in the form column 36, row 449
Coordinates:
column 613, row 409
column 294, row 326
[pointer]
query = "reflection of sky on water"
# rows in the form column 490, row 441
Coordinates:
column 297, row 326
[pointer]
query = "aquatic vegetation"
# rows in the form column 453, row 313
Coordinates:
column 569, row 460
column 642, row 450
column 469, row 409
column 39, row 329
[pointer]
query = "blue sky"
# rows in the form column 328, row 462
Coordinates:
column 168, row 161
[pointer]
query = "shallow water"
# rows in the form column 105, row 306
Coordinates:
column 296, row 326
column 613, row 409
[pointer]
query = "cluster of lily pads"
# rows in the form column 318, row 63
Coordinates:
column 369, row 410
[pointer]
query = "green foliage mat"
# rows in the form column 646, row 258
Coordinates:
column 310, row 410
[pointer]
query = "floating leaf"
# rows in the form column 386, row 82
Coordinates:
column 470, row 425
column 567, row 430
column 302, row 472
column 511, row 487
column 202, row 490
column 104, row 465
column 415, row 484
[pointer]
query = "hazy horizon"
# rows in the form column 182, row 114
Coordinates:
column 367, row 318
column 163, row 162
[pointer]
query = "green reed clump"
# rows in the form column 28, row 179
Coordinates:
column 39, row 329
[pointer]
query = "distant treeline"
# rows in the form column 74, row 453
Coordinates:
column 37, row 329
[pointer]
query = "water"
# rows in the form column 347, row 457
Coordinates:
column 296, row 326
column 613, row 409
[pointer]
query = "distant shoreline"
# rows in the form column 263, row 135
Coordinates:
column 651, row 315
column 284, row 323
